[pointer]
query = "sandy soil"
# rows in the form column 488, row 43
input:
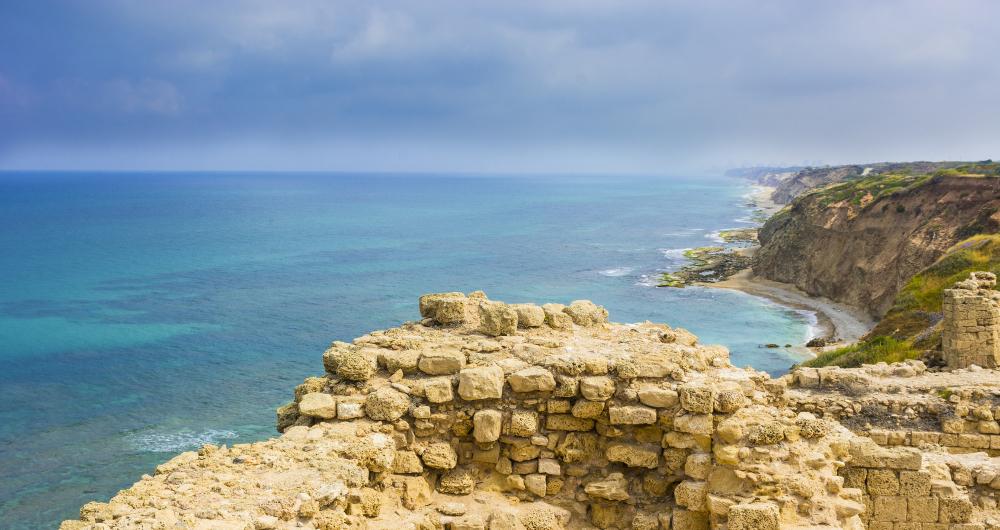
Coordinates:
column 844, row 322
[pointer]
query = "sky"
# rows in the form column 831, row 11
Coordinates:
column 512, row 86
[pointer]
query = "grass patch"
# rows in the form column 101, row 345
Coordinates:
column 879, row 349
column 907, row 331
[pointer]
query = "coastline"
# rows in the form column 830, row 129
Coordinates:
column 839, row 324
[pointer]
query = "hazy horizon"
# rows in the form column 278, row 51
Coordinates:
column 550, row 87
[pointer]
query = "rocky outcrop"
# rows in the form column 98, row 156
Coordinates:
column 859, row 243
column 470, row 422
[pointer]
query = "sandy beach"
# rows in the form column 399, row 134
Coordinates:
column 845, row 323
column 837, row 321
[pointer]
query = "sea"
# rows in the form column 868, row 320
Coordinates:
column 146, row 314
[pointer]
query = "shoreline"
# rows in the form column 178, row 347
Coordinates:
column 839, row 324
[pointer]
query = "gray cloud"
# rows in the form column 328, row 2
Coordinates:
column 601, row 86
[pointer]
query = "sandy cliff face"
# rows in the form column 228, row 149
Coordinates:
column 860, row 242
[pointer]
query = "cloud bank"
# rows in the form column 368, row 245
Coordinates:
column 514, row 86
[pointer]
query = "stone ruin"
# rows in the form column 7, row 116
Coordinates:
column 970, row 333
column 494, row 416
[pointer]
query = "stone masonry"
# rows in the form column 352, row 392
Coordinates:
column 494, row 416
column 971, row 327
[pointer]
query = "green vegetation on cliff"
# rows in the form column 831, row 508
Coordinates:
column 864, row 190
column 909, row 328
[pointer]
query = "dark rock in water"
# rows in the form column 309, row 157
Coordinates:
column 708, row 265
column 818, row 342
column 771, row 345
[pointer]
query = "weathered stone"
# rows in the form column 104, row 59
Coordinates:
column 349, row 410
column 698, row 466
column 441, row 362
column 634, row 455
column 438, row 390
column 523, row 423
column 566, row 422
column 535, row 483
column 487, row 425
column 483, row 382
column 632, row 415
column 497, row 318
column 386, row 404
column 407, row 462
column 529, row 315
column 555, row 318
column 318, row 405
column 691, row 494
column 456, row 482
column 689, row 520
column 597, row 388
column 577, row 447
column 532, row 379
column 753, row 516
column 697, row 399
column 357, row 365
column 439, row 455
column 416, row 492
column 443, row 308
column 584, row 408
column 657, row 397
column 612, row 488
column 586, row 313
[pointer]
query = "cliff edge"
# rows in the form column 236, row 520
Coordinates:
column 860, row 242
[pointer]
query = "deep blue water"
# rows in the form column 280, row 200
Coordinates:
column 144, row 314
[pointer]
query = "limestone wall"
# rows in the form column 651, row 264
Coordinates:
column 493, row 416
column 654, row 432
column 901, row 492
column 970, row 332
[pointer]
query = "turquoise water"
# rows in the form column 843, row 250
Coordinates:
column 145, row 314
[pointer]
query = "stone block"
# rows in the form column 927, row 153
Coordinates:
column 441, row 362
column 914, row 483
column 697, row 398
column 634, row 455
column 584, row 408
column 694, row 423
column 653, row 396
column 632, row 415
column 698, row 465
column 689, row 520
column 889, row 508
column 532, row 379
column 483, row 382
column 523, row 422
column 567, row 422
column 922, row 509
column 439, row 455
column 883, row 482
column 954, row 510
column 753, row 516
column 497, row 318
column 692, row 494
column 597, row 388
column 438, row 390
column 318, row 405
column 486, row 425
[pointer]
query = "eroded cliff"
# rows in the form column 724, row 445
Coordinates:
column 860, row 242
